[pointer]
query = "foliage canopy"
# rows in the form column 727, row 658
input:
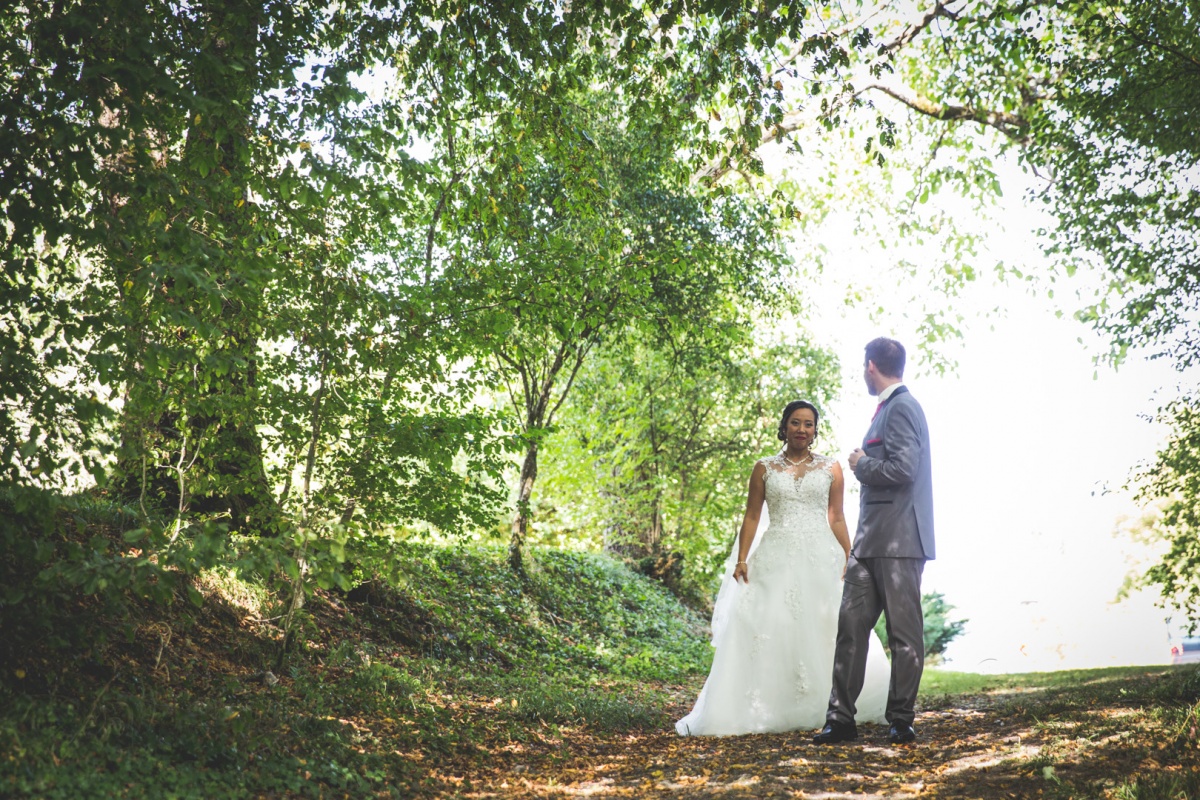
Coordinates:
column 266, row 263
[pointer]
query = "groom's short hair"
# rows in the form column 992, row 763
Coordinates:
column 888, row 355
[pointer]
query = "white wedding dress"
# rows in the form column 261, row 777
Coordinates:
column 774, row 636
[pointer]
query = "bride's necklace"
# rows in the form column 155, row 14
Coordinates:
column 807, row 460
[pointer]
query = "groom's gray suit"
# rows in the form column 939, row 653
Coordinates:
column 893, row 541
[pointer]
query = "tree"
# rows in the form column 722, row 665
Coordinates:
column 531, row 201
column 154, row 197
column 1094, row 100
column 1125, row 158
column 599, row 236
column 1126, row 167
column 179, row 280
column 1127, row 194
column 192, row 294
column 1173, row 482
column 227, row 276
column 654, row 450
column 182, row 139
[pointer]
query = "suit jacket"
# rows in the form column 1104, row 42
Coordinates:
column 896, row 504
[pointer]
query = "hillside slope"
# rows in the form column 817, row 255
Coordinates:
column 445, row 662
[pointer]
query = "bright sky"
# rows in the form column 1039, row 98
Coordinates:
column 1025, row 442
column 1027, row 436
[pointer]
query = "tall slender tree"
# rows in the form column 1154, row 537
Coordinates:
column 656, row 445
column 600, row 233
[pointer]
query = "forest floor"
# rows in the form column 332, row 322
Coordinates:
column 1089, row 734
column 456, row 681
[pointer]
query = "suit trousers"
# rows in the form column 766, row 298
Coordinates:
column 873, row 585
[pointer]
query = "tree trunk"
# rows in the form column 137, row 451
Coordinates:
column 654, row 536
column 241, row 483
column 229, row 473
column 523, row 516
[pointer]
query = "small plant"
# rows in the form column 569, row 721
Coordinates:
column 1159, row 786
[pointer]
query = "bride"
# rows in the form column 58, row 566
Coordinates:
column 775, row 619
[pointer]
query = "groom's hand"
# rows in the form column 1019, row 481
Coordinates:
column 854, row 456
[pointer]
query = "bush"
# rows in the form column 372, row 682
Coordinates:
column 939, row 631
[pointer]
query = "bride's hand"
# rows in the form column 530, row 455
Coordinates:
column 741, row 571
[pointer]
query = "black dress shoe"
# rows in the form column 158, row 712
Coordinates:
column 835, row 732
column 901, row 733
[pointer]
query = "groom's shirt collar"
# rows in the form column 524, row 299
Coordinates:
column 886, row 394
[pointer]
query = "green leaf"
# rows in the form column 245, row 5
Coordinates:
column 135, row 535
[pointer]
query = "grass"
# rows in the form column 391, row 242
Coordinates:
column 441, row 661
column 937, row 682
column 441, row 668
column 1121, row 733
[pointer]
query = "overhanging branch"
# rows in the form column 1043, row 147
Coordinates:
column 1011, row 125
column 865, row 79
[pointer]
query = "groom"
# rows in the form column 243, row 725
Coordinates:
column 893, row 541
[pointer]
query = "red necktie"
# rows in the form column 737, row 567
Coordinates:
column 876, row 414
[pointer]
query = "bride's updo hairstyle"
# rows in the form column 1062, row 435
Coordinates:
column 788, row 410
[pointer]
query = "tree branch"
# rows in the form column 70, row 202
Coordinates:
column 441, row 206
column 1011, row 125
column 580, row 356
column 922, row 21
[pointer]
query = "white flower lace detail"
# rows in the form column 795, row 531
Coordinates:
column 798, row 497
column 801, row 687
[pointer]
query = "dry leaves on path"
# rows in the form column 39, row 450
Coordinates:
column 974, row 747
column 958, row 748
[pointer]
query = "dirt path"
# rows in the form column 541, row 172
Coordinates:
column 961, row 752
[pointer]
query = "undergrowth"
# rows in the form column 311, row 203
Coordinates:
column 439, row 655
column 440, row 673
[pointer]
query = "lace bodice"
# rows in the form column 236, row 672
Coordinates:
column 798, row 497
